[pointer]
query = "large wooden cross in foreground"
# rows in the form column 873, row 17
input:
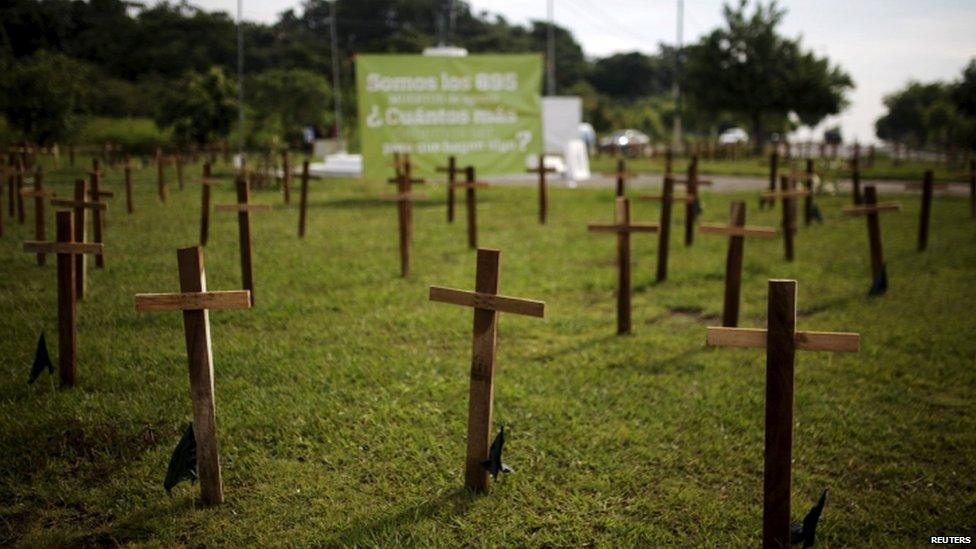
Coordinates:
column 244, row 209
column 781, row 341
column 66, row 249
column 737, row 232
column 623, row 227
column 195, row 302
column 871, row 208
column 487, row 304
column 542, row 170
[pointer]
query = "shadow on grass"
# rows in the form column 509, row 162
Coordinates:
column 445, row 507
column 585, row 344
column 677, row 363
column 136, row 528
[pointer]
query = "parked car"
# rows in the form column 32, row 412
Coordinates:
column 629, row 142
column 732, row 136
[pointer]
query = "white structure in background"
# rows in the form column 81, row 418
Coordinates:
column 562, row 117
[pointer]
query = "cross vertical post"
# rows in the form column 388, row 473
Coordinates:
column 471, row 203
column 542, row 170
column 665, row 231
column 622, row 226
column 789, row 217
column 691, row 207
column 923, row 225
column 39, row 224
column 205, row 204
column 405, row 219
column 773, row 171
column 195, row 302
column 129, row 207
column 67, row 304
column 808, row 199
column 97, row 221
column 244, row 235
column 81, row 235
column 487, row 304
column 451, row 170
column 303, row 201
column 781, row 341
column 856, row 180
column 621, row 181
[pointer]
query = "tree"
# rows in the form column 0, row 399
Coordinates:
column 285, row 101
column 749, row 70
column 629, row 76
column 42, row 94
column 201, row 109
column 926, row 115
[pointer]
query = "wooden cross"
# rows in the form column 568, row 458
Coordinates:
column 808, row 199
column 39, row 193
column 542, row 170
column 622, row 176
column 196, row 302
column 80, row 204
column 66, row 249
column 404, row 199
column 926, row 211
column 303, row 201
column 98, row 224
column 781, row 341
column 664, row 232
column 243, row 207
column 471, row 203
column 205, row 185
column 737, row 231
column 871, row 208
column 487, row 304
column 787, row 194
column 691, row 207
column 129, row 207
column 451, row 171
column 622, row 227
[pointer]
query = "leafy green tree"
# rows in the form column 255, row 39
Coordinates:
column 628, row 76
column 926, row 115
column 284, row 101
column 201, row 109
column 41, row 96
column 748, row 69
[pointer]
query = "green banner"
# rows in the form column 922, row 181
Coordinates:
column 483, row 109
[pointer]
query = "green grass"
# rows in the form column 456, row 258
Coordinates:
column 342, row 397
column 883, row 169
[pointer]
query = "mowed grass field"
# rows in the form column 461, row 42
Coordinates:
column 342, row 396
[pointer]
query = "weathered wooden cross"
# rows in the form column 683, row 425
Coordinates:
column 98, row 223
column 80, row 204
column 471, row 203
column 871, row 208
column 737, row 232
column 542, row 170
column 622, row 227
column 781, row 341
column 451, row 170
column 161, row 176
column 856, row 179
column 39, row 193
column 129, row 205
column 243, row 207
column 666, row 198
column 808, row 199
column 404, row 199
column 66, row 249
column 286, row 176
column 303, row 201
column 196, row 302
column 926, row 211
column 487, row 304
column 787, row 194
column 773, row 176
column 205, row 183
column 622, row 176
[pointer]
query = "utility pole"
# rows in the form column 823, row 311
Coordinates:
column 240, row 78
column 336, row 85
column 676, row 131
column 550, row 51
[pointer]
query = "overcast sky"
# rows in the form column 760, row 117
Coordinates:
column 882, row 44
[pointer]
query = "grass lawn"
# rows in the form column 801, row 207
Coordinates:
column 342, row 397
column 884, row 168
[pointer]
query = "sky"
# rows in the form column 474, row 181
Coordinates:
column 882, row 44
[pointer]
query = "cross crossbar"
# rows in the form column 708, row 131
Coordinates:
column 732, row 230
column 193, row 301
column 842, row 342
column 629, row 228
column 242, row 207
column 491, row 302
column 67, row 248
column 68, row 203
column 872, row 208
column 36, row 193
